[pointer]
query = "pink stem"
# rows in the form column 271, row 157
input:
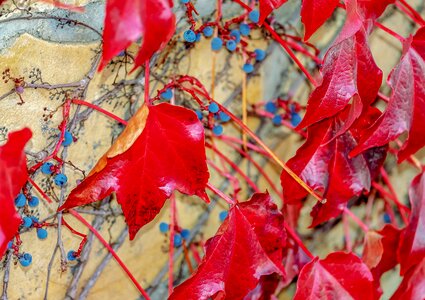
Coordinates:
column 99, row 109
column 389, row 31
column 359, row 222
column 35, row 185
column 113, row 253
column 220, row 194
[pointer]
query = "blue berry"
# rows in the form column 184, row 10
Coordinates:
column 46, row 168
column 236, row 35
column 295, row 119
column 34, row 219
column 178, row 241
column 248, row 68
column 67, row 139
column 167, row 94
column 27, row 222
column 61, row 179
column 184, row 1
column 277, row 120
column 217, row 129
column 244, row 29
column 10, row 245
column 223, row 116
column 163, row 227
column 198, row 37
column 223, row 215
column 254, row 16
column 33, row 202
column 185, row 233
column 20, row 201
column 199, row 114
column 71, row 255
column 25, row 260
column 387, row 218
column 208, row 31
column 231, row 45
column 189, row 36
column 213, row 107
column 122, row 53
column 271, row 107
column 42, row 233
column 216, row 43
column 260, row 54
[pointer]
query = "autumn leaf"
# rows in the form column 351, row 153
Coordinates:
column 161, row 150
column 339, row 276
column 378, row 251
column 412, row 240
column 267, row 7
column 413, row 284
column 406, row 109
column 323, row 162
column 314, row 14
column 13, row 175
column 247, row 247
column 128, row 20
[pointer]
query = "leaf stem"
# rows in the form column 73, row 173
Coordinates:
column 356, row 219
column 219, row 193
column 112, row 251
column 411, row 12
column 297, row 240
column 171, row 245
column 99, row 109
column 389, row 31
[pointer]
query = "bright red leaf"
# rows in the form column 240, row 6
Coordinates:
column 247, row 247
column 268, row 6
column 314, row 14
column 406, row 108
column 338, row 276
column 13, row 175
column 161, row 150
column 323, row 162
column 412, row 240
column 413, row 284
column 128, row 20
column 378, row 251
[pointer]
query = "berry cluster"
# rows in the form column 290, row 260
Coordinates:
column 180, row 235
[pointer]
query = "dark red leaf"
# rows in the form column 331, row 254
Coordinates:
column 413, row 284
column 314, row 14
column 378, row 251
column 323, row 162
column 247, row 246
column 406, row 108
column 412, row 240
column 128, row 20
column 268, row 6
column 338, row 276
column 13, row 175
column 161, row 150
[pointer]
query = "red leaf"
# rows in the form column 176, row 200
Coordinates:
column 247, row 246
column 338, row 276
column 378, row 251
column 406, row 108
column 314, row 14
column 413, row 284
column 13, row 175
column 323, row 162
column 267, row 6
column 412, row 240
column 161, row 150
column 348, row 71
column 128, row 20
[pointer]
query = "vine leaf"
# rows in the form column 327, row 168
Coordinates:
column 314, row 14
column 323, row 162
column 161, row 150
column 127, row 21
column 406, row 108
column 413, row 283
column 13, row 175
column 378, row 251
column 267, row 7
column 247, row 248
column 412, row 240
column 339, row 276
